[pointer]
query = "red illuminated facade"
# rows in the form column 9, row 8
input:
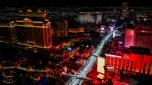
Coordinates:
column 130, row 62
column 140, row 37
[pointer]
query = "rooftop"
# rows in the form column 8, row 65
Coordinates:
column 140, row 50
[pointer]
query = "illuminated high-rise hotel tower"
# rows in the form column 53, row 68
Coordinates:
column 33, row 29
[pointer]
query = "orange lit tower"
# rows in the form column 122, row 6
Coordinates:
column 33, row 29
column 62, row 29
column 7, row 32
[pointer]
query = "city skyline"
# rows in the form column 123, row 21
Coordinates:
column 70, row 43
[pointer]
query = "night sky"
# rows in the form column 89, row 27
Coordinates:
column 73, row 3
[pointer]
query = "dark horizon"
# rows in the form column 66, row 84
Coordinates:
column 73, row 3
